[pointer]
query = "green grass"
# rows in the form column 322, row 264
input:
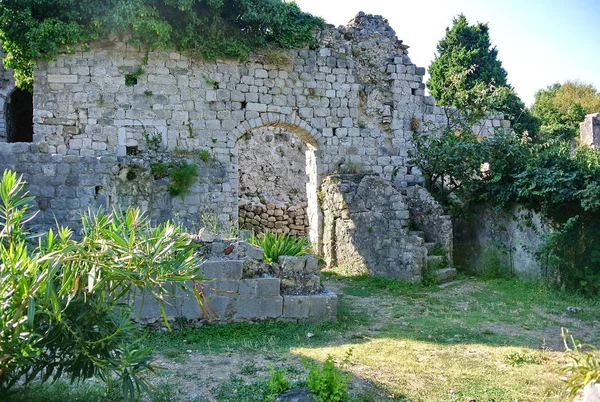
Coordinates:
column 491, row 340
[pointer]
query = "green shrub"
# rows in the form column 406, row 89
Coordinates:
column 159, row 170
column 208, row 29
column 204, row 155
column 328, row 382
column 276, row 245
column 277, row 383
column 182, row 177
column 66, row 303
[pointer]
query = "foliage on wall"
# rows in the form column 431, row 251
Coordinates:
column 39, row 29
column 563, row 184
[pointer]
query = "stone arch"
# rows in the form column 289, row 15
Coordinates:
column 292, row 122
column 312, row 138
column 19, row 116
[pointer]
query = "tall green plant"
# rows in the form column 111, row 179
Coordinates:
column 66, row 302
column 275, row 245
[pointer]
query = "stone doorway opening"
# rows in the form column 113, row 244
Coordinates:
column 19, row 116
column 278, row 182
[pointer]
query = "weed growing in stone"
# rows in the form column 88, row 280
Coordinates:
column 182, row 177
column 204, row 155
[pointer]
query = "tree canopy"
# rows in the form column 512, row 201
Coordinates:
column 38, row 29
column 561, row 107
column 466, row 69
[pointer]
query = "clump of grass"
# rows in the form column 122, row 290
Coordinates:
column 519, row 358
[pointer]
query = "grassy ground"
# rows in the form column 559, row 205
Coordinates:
column 485, row 341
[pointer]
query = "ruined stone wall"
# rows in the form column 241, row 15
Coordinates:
column 272, row 165
column 510, row 238
column 240, row 286
column 263, row 216
column 353, row 101
column 366, row 228
column 7, row 85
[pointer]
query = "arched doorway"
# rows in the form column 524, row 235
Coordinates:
column 19, row 116
column 278, row 181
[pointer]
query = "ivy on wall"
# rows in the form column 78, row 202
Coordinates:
column 31, row 30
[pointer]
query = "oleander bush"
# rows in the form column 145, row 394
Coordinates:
column 66, row 300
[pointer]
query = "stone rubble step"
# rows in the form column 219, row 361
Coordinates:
column 418, row 233
column 445, row 275
column 430, row 246
column 434, row 262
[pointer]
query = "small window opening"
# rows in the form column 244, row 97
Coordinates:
column 19, row 116
column 414, row 91
column 409, row 169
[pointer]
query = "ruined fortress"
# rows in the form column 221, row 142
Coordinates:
column 311, row 142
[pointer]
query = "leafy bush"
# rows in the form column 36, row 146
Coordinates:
column 549, row 177
column 276, row 245
column 206, row 28
column 182, row 177
column 277, row 383
column 66, row 303
column 328, row 382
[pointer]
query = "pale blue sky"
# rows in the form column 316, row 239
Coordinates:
column 539, row 42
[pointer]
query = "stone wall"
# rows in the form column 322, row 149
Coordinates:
column 263, row 216
column 240, row 286
column 589, row 130
column 7, row 85
column 510, row 238
column 65, row 186
column 353, row 101
column 365, row 228
column 272, row 165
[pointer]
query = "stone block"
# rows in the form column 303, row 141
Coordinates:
column 62, row 78
column 259, row 308
column 259, row 287
column 222, row 269
column 321, row 306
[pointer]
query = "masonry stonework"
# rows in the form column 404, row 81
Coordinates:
column 352, row 101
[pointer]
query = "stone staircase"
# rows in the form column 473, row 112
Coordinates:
column 436, row 264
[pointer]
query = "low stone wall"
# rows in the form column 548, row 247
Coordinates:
column 65, row 186
column 511, row 238
column 365, row 228
column 263, row 216
column 431, row 218
column 240, row 286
